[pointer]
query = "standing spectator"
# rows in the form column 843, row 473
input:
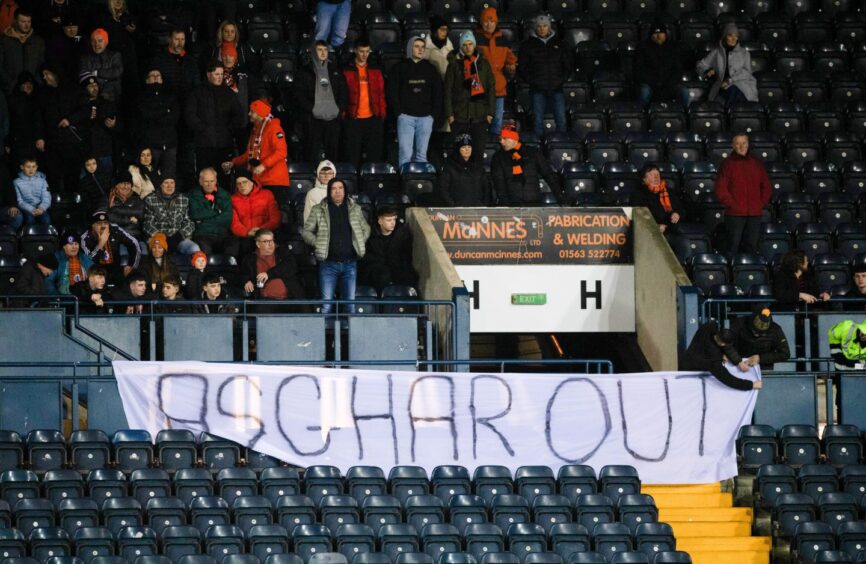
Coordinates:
column 63, row 140
column 31, row 279
column 709, row 350
column 72, row 265
column 121, row 26
column 144, row 175
column 64, row 50
column 338, row 231
column 437, row 45
column 743, row 187
column 496, row 49
column 266, row 153
column 31, row 188
column 332, row 21
column 228, row 34
column 105, row 242
column 24, row 119
column 94, row 186
column 49, row 16
column 321, row 97
column 167, row 211
column 125, row 207
column 463, row 181
column 20, row 49
column 731, row 66
column 657, row 68
column 415, row 89
column 233, row 77
column 213, row 115
column 517, row 171
column 177, row 67
column 389, row 253
column 545, row 64
column 324, row 173
column 470, row 93
column 270, row 273
column 364, row 124
column 91, row 293
column 210, row 210
column 9, row 212
column 106, row 66
column 159, row 113
column 7, row 14
column 156, row 266
column 101, row 124
column 252, row 209
column 791, row 282
column 653, row 194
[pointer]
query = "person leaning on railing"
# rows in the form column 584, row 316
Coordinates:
column 709, row 350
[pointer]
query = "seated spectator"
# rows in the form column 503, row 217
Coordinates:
column 216, row 299
column 517, row 171
column 144, row 176
column 364, row 119
column 31, row 189
column 321, row 99
column 157, row 266
column 271, row 273
column 415, row 97
column 72, row 265
column 125, row 207
column 134, row 289
column 847, row 341
column 463, row 181
column 760, row 340
column 167, row 212
column 159, row 112
column 23, row 118
column 31, row 279
column 859, row 279
column 91, row 292
column 105, row 242
column 171, row 297
column 324, row 173
column 545, row 64
column 192, row 289
column 9, row 212
column 496, row 49
column 100, row 124
column 94, row 186
column 229, row 35
column 210, row 210
column 710, row 350
column 20, row 49
column 470, row 93
column 791, row 285
column 252, row 209
column 731, row 66
column 657, row 68
column 653, row 194
column 106, row 66
column 177, row 68
column 389, row 253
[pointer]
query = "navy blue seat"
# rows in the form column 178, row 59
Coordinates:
column 218, row 453
column 162, row 512
column 180, row 541
column 92, row 542
column 46, row 450
column 851, row 537
column 406, row 481
column 424, row 510
column 652, row 538
column 491, row 481
column 448, row 481
column 59, row 485
column 247, row 511
column 236, row 482
column 381, row 510
column 176, row 448
column 593, row 509
column 611, row 538
column 811, row 538
column 590, row 557
column 364, row 481
column 336, row 510
column 551, row 510
column 756, row 446
column 439, row 538
column 89, row 449
column 11, row 450
column 133, row 449
column 636, row 509
column 223, row 540
column 835, row 508
column 103, row 483
column 568, row 538
column 192, row 483
column 526, row 538
column 771, row 481
column 817, row 479
column 508, row 509
column 30, row 514
column 397, row 539
column 535, row 480
column 280, row 481
column 208, row 511
column 73, row 514
column 799, row 444
column 266, row 540
column 135, row 542
column 148, row 483
column 465, row 510
column 841, row 444
column 576, row 479
column 791, row 509
column 354, row 538
column 483, row 538
column 853, row 479
column 46, row 542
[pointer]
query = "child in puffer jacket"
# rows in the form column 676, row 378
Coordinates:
column 31, row 189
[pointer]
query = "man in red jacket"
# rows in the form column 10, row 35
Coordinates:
column 365, row 114
column 743, row 187
column 252, row 209
column 266, row 153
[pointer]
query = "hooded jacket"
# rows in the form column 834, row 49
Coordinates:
column 158, row 114
column 267, row 144
column 317, row 229
column 211, row 219
column 497, row 50
column 32, row 192
column 545, row 64
column 464, row 183
column 739, row 64
column 213, row 115
column 258, row 209
column 24, row 113
column 169, row 215
column 306, row 83
column 742, row 186
column 318, row 192
column 458, row 100
column 415, row 87
column 845, row 347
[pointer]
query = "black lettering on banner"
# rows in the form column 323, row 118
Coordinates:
column 703, row 378
column 450, row 418
column 664, row 453
column 368, row 417
column 278, row 410
column 486, row 420
column 253, row 418
column 202, row 409
column 548, row 424
column 585, row 295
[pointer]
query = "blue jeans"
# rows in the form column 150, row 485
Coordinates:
column 542, row 101
column 6, row 219
column 496, row 124
column 332, row 21
column 413, row 136
column 645, row 95
column 332, row 273
column 30, row 219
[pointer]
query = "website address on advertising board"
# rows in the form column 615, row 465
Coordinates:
column 478, row 255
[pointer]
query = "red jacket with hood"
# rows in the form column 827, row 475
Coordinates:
column 271, row 150
column 743, row 186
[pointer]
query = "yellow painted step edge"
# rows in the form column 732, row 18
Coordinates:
column 724, row 544
column 681, row 488
column 707, row 515
column 740, row 557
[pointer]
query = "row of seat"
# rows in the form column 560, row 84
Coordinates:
column 814, row 480
column 839, row 445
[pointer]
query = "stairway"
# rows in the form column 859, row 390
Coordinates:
column 708, row 526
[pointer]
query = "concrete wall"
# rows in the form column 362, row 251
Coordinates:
column 437, row 275
column 657, row 274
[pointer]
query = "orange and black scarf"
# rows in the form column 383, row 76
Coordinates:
column 662, row 192
column 517, row 159
column 471, row 78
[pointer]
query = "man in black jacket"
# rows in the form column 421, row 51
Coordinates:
column 61, row 138
column 709, row 350
column 415, row 97
column 760, row 339
column 389, row 253
column 102, row 243
column 271, row 273
column 545, row 64
column 159, row 112
column 657, row 68
column 178, row 69
column 213, row 115
column 517, row 171
column 322, row 98
column 31, row 278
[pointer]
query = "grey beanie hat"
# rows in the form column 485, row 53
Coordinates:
column 730, row 29
column 542, row 19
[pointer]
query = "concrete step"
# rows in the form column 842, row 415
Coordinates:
column 679, row 500
column 730, row 557
column 681, row 489
column 715, row 544
column 684, row 530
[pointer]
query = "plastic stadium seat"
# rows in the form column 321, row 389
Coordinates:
column 413, row 558
column 368, row 558
column 49, row 542
column 336, row 510
column 635, row 509
column 808, row 87
column 148, row 483
column 771, row 481
column 644, row 148
column 834, row 556
column 851, row 537
column 419, row 181
column 836, row 508
column 853, row 479
column 491, row 481
column 811, row 538
column 576, row 92
column 177, row 542
column 568, row 538
column 630, row 558
column 241, row 559
column 407, row 481
column 162, row 512
column 626, row 117
column 576, row 479
column 842, row 148
column 133, row 449
column 589, row 557
column 500, row 558
column 59, row 485
column 38, row 240
column 12, row 543
column 222, row 540
column 398, row 538
column 586, row 119
column 448, row 481
column 801, row 148
column 835, row 209
column 280, row 481
column 603, row 148
column 563, row 149
column 817, row 479
column 251, row 510
column 236, row 482
column 756, row 446
column 91, row 542
column 841, row 443
column 5, row 515
column 354, row 539
column 467, row 509
column 508, row 509
column 458, row 558
column 696, row 28
column 384, row 27
column 176, row 449
column 653, row 538
column 8, row 250
column 207, row 511
column 708, row 270
column 424, row 510
column 483, row 538
column 611, row 538
column 593, row 509
column 795, row 209
column 665, row 119
column 440, row 538
column 543, row 558
column 134, row 542
column 550, row 510
column 850, row 240
column 706, row 117
column 791, row 509
column 526, row 538
column 187, row 559
column 672, row 557
column 684, row 147
column 534, row 480
column 748, row 270
column 122, row 560
column 89, row 449
column 266, row 540
column 580, row 181
column 16, row 485
column 748, row 117
column 698, row 178
column 322, row 480
column 784, row 118
column 51, row 533
column 191, row 483
column 830, row 270
column 218, row 453
column 295, row 510
column 381, row 510
column 799, row 444
column 103, row 483
column 618, row 181
column 46, row 450
column 120, row 512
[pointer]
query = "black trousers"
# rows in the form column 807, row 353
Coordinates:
column 323, row 138
column 742, row 233
column 363, row 137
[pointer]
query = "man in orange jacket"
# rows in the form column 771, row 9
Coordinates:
column 266, row 152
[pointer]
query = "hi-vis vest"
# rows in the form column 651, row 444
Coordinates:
column 843, row 339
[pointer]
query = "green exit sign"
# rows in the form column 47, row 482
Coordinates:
column 528, row 299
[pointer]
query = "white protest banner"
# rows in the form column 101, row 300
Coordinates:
column 674, row 427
